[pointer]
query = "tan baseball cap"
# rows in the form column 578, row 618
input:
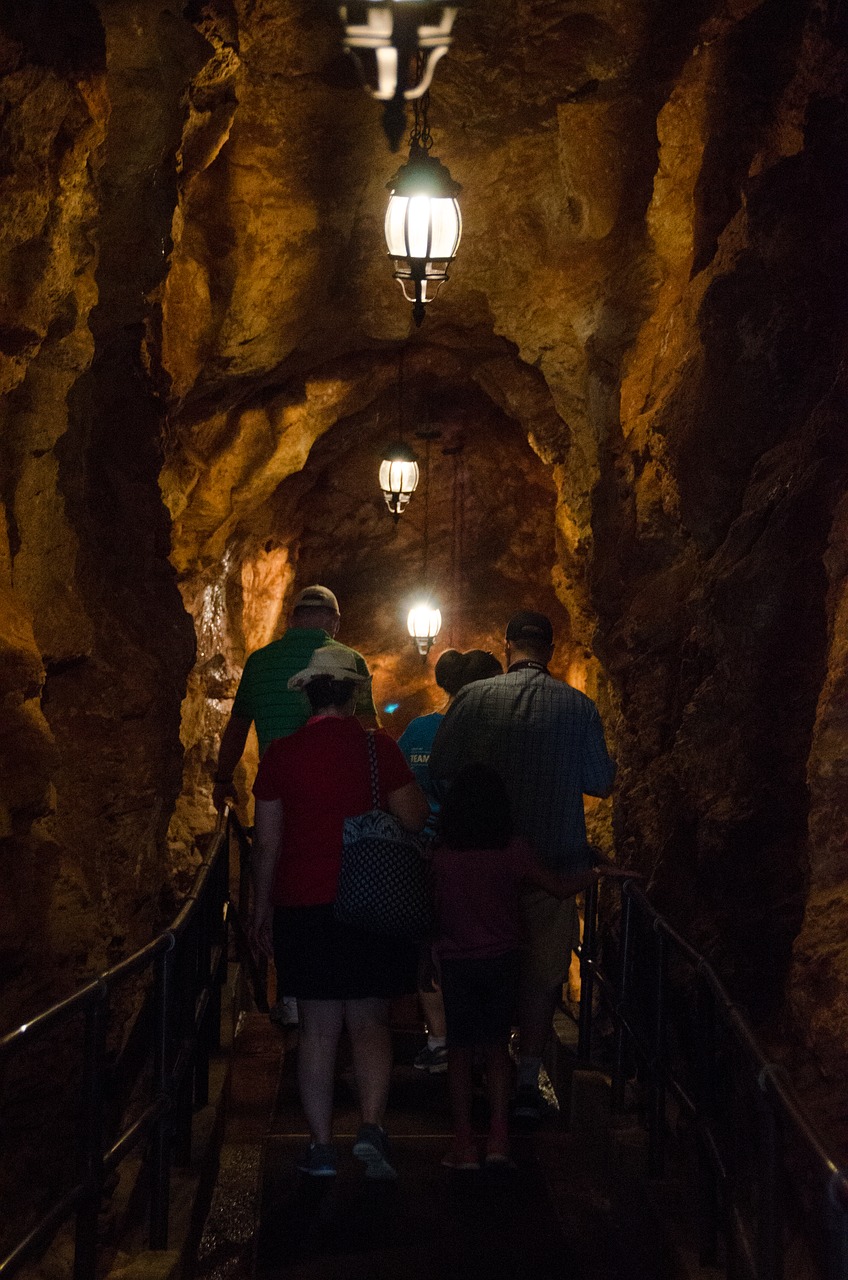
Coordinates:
column 316, row 597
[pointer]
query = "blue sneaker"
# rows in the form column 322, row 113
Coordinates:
column 372, row 1148
column 319, row 1160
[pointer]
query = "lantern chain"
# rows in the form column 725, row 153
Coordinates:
column 426, row 540
column 420, row 139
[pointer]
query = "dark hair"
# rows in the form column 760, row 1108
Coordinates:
column 325, row 691
column 448, row 671
column 454, row 670
column 476, row 813
column 310, row 611
column 479, row 664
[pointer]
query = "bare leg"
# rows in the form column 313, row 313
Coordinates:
column 535, row 1017
column 371, row 1042
column 321, row 1023
column 498, row 1072
column 433, row 1008
column 460, row 1090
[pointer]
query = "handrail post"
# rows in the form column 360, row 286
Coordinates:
column 91, row 1137
column 160, row 1191
column 259, row 966
column 620, row 1050
column 769, row 1217
column 243, row 904
column 656, row 1132
column 221, row 936
column 587, row 958
column 203, row 982
column 187, row 970
column 705, row 1069
column 838, row 1253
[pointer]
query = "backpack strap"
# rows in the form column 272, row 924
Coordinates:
column 373, row 770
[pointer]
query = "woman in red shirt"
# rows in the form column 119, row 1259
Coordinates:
column 307, row 784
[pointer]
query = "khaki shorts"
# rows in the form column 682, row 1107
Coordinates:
column 553, row 930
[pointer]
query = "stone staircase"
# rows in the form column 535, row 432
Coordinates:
column 627, row 1225
column 619, row 1223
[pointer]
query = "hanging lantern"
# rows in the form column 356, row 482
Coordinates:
column 423, row 222
column 396, row 45
column 398, row 477
column 424, row 623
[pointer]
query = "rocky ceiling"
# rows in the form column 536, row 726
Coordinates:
column 641, row 350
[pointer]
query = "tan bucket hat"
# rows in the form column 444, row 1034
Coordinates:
column 330, row 660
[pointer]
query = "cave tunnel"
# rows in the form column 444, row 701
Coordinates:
column 630, row 395
column 479, row 536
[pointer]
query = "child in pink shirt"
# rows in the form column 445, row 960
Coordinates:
column 479, row 870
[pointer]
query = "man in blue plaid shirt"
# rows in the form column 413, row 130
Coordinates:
column 547, row 742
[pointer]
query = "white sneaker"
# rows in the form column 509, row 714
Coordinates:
column 284, row 1013
column 433, row 1060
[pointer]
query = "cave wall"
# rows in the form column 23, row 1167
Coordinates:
column 721, row 629
column 95, row 642
column 198, row 321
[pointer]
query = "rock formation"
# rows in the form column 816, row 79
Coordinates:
column 641, row 349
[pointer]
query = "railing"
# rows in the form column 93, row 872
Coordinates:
column 765, row 1180
column 254, row 970
column 677, row 1034
column 179, row 976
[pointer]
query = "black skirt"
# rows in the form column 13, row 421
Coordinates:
column 318, row 958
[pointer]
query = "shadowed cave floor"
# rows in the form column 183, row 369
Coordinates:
column 547, row 1220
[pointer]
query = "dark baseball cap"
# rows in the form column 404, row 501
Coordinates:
column 531, row 627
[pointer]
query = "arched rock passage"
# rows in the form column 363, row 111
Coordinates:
column 303, row 504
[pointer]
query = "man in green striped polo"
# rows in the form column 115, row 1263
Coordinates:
column 264, row 698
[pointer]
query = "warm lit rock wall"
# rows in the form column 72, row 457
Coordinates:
column 718, row 621
column 95, row 644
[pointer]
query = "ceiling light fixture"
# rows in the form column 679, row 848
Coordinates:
column 398, row 477
column 424, row 623
column 396, row 45
column 399, row 468
column 423, row 221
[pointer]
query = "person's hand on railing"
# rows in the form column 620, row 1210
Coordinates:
column 259, row 930
column 223, row 789
column 604, row 866
column 611, row 871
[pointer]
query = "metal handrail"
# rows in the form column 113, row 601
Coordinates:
column 189, row 963
column 718, row 1067
column 256, row 968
